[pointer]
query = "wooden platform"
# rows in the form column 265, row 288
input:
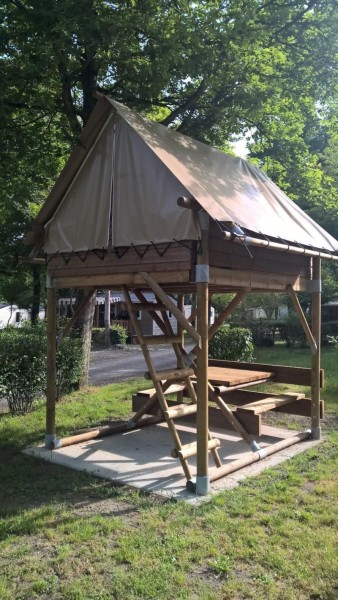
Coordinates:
column 232, row 377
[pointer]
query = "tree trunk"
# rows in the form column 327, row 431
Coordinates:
column 85, row 325
column 107, row 317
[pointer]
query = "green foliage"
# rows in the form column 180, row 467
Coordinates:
column 292, row 332
column 263, row 331
column 69, row 363
column 118, row 335
column 333, row 340
column 232, row 344
column 98, row 337
column 23, row 366
column 212, row 70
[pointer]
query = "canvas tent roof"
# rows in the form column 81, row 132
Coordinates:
column 122, row 189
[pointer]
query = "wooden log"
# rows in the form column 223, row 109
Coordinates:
column 51, row 365
column 151, row 401
column 226, row 312
column 201, row 371
column 172, row 375
column 302, row 318
column 171, row 306
column 181, row 410
column 189, row 450
column 100, row 432
column 250, row 458
column 315, row 367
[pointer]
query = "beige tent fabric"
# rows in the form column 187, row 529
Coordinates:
column 145, row 195
column 134, row 173
column 81, row 221
column 229, row 188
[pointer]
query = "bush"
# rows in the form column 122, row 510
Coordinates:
column 23, row 365
column 232, row 344
column 292, row 333
column 263, row 332
column 98, row 337
column 69, row 364
column 118, row 335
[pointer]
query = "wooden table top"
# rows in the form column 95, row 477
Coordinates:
column 230, row 377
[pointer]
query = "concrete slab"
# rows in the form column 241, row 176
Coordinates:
column 141, row 458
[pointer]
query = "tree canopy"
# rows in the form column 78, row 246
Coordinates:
column 212, row 70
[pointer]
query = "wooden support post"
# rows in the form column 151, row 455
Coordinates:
column 316, row 329
column 202, row 421
column 180, row 333
column 51, row 367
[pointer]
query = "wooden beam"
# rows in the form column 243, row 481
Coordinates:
column 202, row 306
column 255, row 456
column 302, row 318
column 51, row 366
column 110, row 280
column 170, row 306
column 256, row 280
column 316, row 328
column 226, row 312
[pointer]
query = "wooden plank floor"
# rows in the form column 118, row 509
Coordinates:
column 230, row 377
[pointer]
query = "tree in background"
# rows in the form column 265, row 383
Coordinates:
column 212, row 70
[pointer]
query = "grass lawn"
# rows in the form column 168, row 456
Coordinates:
column 65, row 535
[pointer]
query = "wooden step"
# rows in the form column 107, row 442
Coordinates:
column 173, row 375
column 191, row 449
column 181, row 410
column 161, row 339
column 148, row 306
column 270, row 403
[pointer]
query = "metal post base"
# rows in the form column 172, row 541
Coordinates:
column 52, row 442
column 202, row 486
column 316, row 433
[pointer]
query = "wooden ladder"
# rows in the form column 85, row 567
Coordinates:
column 162, row 380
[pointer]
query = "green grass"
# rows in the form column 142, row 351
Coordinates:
column 65, row 535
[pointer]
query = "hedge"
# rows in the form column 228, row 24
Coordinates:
column 23, row 365
column 232, row 343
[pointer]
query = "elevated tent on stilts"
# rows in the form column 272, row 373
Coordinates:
column 142, row 208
